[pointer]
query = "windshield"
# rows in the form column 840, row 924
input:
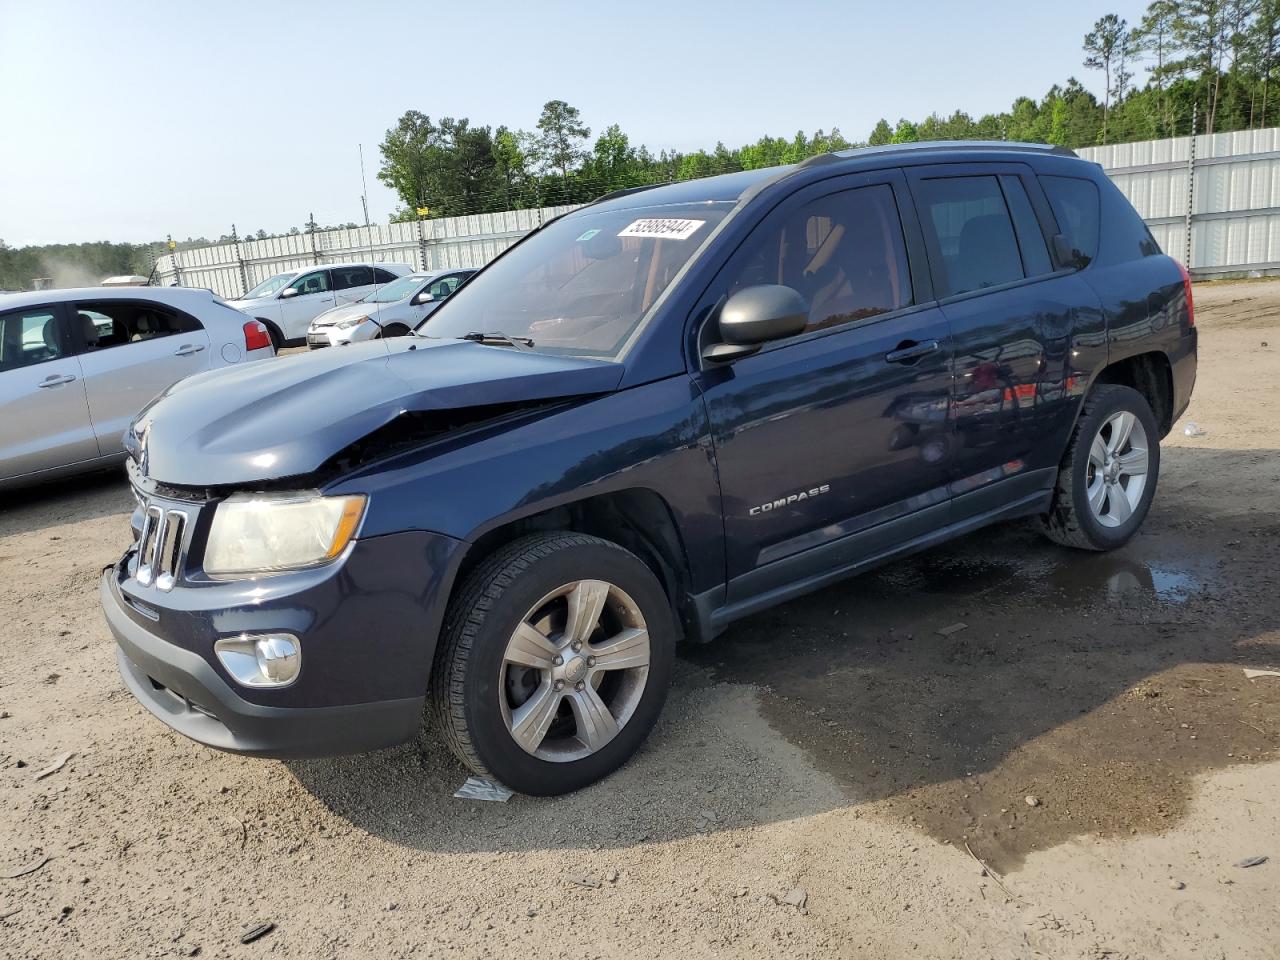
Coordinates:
column 269, row 287
column 404, row 287
column 581, row 285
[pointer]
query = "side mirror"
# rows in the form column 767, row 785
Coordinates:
column 754, row 316
column 288, row 292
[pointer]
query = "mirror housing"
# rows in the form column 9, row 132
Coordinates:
column 288, row 292
column 421, row 297
column 754, row 316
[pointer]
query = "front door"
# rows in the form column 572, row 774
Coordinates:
column 313, row 295
column 44, row 418
column 832, row 445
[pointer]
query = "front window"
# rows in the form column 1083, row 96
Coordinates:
column 269, row 287
column 398, row 290
column 583, row 284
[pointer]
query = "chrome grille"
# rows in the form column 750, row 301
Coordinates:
column 160, row 546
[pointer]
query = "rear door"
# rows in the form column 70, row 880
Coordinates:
column 313, row 295
column 44, row 416
column 1025, row 328
column 351, row 284
column 131, row 351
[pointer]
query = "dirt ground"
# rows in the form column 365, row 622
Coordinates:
column 823, row 784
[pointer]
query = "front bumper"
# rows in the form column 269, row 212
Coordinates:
column 183, row 690
column 367, row 626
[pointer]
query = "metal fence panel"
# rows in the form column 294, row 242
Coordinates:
column 1227, row 185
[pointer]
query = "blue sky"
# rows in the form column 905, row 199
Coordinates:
column 128, row 121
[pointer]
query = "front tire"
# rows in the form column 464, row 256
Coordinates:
column 554, row 663
column 392, row 330
column 1108, row 477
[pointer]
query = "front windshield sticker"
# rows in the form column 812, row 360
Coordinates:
column 670, row 229
column 587, row 236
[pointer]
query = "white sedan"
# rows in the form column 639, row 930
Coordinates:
column 288, row 302
column 390, row 311
column 77, row 365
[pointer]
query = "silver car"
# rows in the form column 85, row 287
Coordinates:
column 77, row 365
column 389, row 311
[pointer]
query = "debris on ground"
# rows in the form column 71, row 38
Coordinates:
column 257, row 933
column 1251, row 674
column 58, row 763
column 32, row 867
column 1177, row 885
column 10, row 913
column 953, row 628
column 1193, row 429
column 1251, row 862
column 583, row 880
column 1033, row 801
column 796, row 897
column 477, row 788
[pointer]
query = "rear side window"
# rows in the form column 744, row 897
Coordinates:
column 344, row 278
column 383, row 276
column 113, row 323
column 973, row 232
column 844, row 252
column 28, row 337
column 1075, row 207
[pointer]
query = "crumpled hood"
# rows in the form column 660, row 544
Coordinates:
column 281, row 418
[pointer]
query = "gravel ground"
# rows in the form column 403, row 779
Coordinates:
column 824, row 781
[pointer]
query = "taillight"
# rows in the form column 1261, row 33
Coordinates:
column 1186, row 285
column 256, row 336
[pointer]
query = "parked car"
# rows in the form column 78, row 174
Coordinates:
column 390, row 311
column 659, row 413
column 288, row 302
column 76, row 366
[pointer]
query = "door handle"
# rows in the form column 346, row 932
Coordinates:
column 910, row 350
column 187, row 349
column 56, row 380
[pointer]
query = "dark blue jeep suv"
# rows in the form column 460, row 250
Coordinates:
column 664, row 411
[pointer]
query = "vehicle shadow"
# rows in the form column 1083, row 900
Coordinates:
column 87, row 496
column 940, row 691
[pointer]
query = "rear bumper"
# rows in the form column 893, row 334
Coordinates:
column 182, row 689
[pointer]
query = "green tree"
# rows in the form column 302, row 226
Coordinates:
column 905, row 132
column 561, row 137
column 1103, row 46
column 882, row 134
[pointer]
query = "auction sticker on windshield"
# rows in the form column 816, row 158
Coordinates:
column 670, row 229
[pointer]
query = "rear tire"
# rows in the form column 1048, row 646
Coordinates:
column 554, row 663
column 1108, row 476
column 277, row 341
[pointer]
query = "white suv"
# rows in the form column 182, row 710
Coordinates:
column 288, row 302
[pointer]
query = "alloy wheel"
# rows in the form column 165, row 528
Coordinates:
column 1117, row 472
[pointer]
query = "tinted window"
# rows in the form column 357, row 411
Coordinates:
column 444, row 286
column 112, row 323
column 383, row 276
column 346, row 277
column 1035, row 252
column 317, row 282
column 1075, row 207
column 844, row 252
column 972, row 230
column 29, row 336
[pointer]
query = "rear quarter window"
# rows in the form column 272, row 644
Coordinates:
column 1075, row 206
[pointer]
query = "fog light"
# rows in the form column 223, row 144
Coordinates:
column 270, row 660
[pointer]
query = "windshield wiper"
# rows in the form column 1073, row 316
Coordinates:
column 497, row 338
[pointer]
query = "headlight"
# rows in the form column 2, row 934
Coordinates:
column 261, row 532
column 348, row 324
